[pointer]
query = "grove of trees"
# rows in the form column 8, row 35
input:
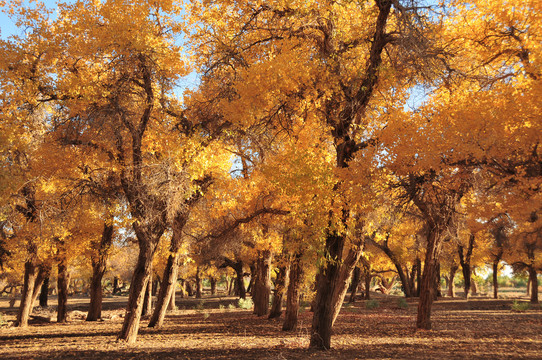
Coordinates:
column 326, row 143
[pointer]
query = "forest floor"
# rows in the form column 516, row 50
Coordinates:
column 479, row 328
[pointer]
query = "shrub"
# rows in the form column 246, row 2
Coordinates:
column 245, row 304
column 520, row 305
column 231, row 307
column 371, row 304
column 200, row 305
column 402, row 303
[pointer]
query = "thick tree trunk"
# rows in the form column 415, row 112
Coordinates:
column 239, row 281
column 43, row 273
column 427, row 287
column 62, row 285
column 167, row 290
column 438, row 292
column 262, row 283
column 25, row 307
column 140, row 278
column 496, row 279
column 44, row 292
column 212, row 280
column 278, row 292
column 292, row 298
column 147, row 301
column 451, row 280
column 172, row 305
column 332, row 284
column 355, row 284
column 198, row 284
column 99, row 264
column 253, row 275
column 188, row 287
column 534, row 284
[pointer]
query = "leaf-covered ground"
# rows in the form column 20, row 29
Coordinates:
column 478, row 328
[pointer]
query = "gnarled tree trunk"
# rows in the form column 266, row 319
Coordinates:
column 534, row 284
column 355, row 284
column 262, row 283
column 25, row 307
column 198, row 284
column 292, row 297
column 278, row 292
column 99, row 264
column 451, row 280
column 464, row 260
column 147, row 300
column 44, row 292
column 427, row 288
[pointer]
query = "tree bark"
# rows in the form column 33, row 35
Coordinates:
column 355, row 284
column 25, row 307
column 534, row 284
column 495, row 279
column 166, row 294
column 332, row 284
column 43, row 272
column 62, row 285
column 262, row 283
column 418, row 276
column 464, row 260
column 212, row 280
column 44, row 292
column 116, row 287
column 140, row 278
column 278, row 292
column 451, row 285
column 99, row 265
column 292, row 298
column 198, row 284
column 427, row 287
column 147, row 300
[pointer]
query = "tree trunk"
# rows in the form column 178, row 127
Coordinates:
column 44, row 292
column 451, row 285
column 355, row 284
column 147, row 301
column 239, row 281
column 262, row 283
column 292, row 298
column 464, row 259
column 116, row 287
column 140, row 278
column 62, row 285
column 167, row 290
column 212, row 280
column 418, row 276
column 253, row 275
column 189, row 289
column 278, row 292
column 172, row 305
column 25, row 307
column 332, row 284
column 534, row 284
column 198, row 284
column 496, row 279
column 438, row 292
column 43, row 272
column 231, row 286
column 182, row 288
column 427, row 287
column 99, row 264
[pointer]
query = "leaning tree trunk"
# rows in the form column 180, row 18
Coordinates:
column 278, row 295
column 292, row 298
column 25, row 307
column 147, row 300
column 140, row 278
column 167, row 290
column 534, row 284
column 332, row 284
column 99, row 265
column 172, row 305
column 43, row 273
column 355, row 284
column 451, row 285
column 62, row 285
column 262, row 283
column 428, row 287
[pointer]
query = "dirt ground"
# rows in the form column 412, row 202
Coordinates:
column 480, row 328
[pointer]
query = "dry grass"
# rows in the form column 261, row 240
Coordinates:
column 478, row 328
